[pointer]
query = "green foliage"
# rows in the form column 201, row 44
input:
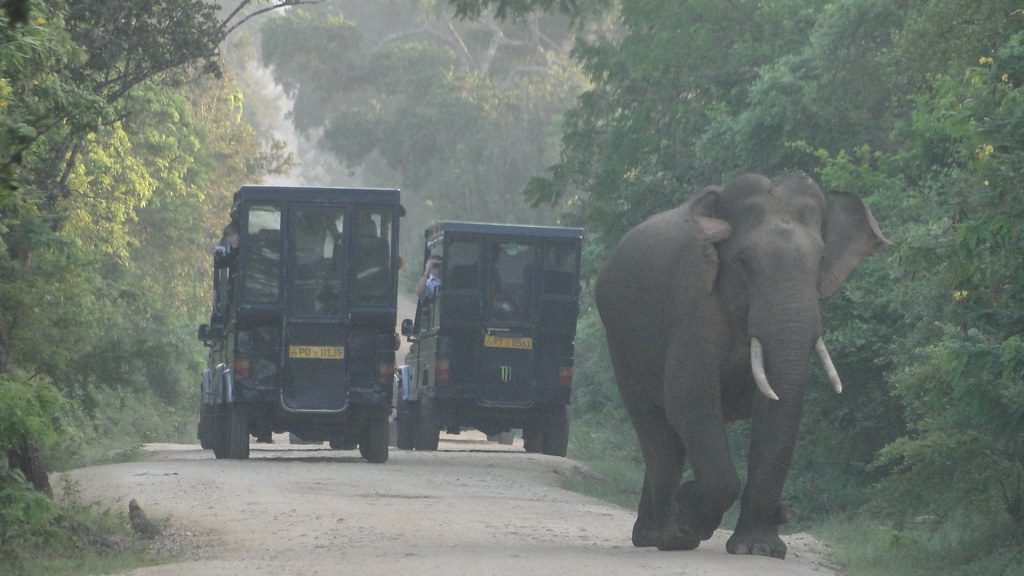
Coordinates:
column 69, row 537
column 859, row 94
column 114, row 158
column 128, row 43
column 30, row 407
column 966, row 453
column 633, row 142
column 31, row 410
column 25, row 516
column 863, row 546
column 102, row 279
column 833, row 94
column 40, row 98
column 963, row 389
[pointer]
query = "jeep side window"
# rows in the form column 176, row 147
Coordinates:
column 262, row 253
column 462, row 262
column 559, row 270
column 372, row 257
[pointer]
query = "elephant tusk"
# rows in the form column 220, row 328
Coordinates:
column 826, row 362
column 757, row 366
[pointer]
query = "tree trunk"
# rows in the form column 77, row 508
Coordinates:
column 24, row 456
column 5, row 352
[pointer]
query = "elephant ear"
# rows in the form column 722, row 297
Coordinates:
column 850, row 234
column 710, row 231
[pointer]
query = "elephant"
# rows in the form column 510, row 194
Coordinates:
column 710, row 312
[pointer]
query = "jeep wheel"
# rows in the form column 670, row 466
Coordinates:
column 428, row 429
column 237, row 436
column 548, row 432
column 374, row 446
column 405, row 421
column 555, row 439
column 207, row 424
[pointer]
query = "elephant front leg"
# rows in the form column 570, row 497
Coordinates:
column 773, row 437
column 760, row 538
column 694, row 409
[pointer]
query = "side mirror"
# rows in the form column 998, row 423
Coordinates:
column 222, row 257
column 204, row 332
column 407, row 327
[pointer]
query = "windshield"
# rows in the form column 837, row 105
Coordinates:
column 509, row 296
column 315, row 237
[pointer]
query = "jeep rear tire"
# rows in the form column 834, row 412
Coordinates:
column 555, row 439
column 428, row 428
column 405, row 421
column 374, row 445
column 237, row 433
column 548, row 432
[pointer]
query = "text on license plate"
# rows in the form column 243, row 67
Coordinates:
column 317, row 352
column 508, row 342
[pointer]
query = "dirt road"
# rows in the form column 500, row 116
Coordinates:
column 473, row 507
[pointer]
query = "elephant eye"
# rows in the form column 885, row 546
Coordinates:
column 808, row 214
column 744, row 265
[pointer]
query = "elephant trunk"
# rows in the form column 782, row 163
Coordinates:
column 761, row 379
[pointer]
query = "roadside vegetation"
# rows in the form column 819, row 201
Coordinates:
column 122, row 139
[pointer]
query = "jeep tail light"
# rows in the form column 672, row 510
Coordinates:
column 442, row 369
column 565, row 376
column 385, row 372
column 243, row 367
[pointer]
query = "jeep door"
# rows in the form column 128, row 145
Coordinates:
column 507, row 345
column 315, row 331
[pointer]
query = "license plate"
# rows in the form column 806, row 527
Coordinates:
column 518, row 343
column 317, row 352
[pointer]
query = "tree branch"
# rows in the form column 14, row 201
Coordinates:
column 226, row 30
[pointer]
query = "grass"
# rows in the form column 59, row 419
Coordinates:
column 63, row 536
column 612, row 481
column 859, row 544
column 866, row 546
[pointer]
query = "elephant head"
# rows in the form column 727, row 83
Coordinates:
column 704, row 305
column 763, row 242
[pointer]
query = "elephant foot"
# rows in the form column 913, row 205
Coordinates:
column 645, row 537
column 673, row 538
column 757, row 541
column 669, row 537
column 691, row 525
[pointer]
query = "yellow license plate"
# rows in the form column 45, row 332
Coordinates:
column 518, row 343
column 317, row 352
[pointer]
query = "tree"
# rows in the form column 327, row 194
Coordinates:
column 74, row 179
column 459, row 115
column 963, row 383
column 632, row 145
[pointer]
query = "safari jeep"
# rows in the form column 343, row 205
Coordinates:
column 493, row 348
column 302, row 332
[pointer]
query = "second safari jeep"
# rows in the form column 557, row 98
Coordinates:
column 493, row 348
